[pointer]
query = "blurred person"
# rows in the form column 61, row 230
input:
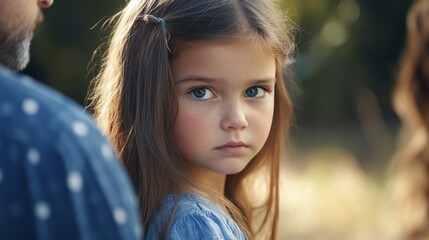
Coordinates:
column 411, row 103
column 59, row 177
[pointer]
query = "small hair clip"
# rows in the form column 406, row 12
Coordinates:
column 152, row 20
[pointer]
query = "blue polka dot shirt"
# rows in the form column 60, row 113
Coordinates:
column 59, row 177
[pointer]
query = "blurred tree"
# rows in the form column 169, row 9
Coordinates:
column 347, row 48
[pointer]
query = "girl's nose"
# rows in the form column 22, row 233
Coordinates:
column 45, row 3
column 234, row 118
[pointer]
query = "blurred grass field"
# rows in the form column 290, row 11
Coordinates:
column 325, row 194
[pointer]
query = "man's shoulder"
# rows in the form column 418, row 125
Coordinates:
column 55, row 165
column 30, row 110
column 16, row 87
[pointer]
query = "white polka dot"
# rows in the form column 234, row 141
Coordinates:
column 74, row 181
column 107, row 151
column 30, row 106
column 33, row 156
column 120, row 215
column 80, row 128
column 43, row 211
column 138, row 231
column 1, row 176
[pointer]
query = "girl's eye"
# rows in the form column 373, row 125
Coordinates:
column 201, row 93
column 255, row 92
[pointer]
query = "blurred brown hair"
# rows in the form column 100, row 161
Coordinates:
column 411, row 103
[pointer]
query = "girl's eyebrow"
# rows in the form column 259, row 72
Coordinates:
column 264, row 80
column 196, row 78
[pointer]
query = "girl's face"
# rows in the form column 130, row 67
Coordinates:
column 226, row 104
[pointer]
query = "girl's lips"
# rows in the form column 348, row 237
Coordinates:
column 234, row 144
column 233, row 148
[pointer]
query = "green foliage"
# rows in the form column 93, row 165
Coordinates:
column 346, row 46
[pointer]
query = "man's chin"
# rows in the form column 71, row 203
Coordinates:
column 16, row 56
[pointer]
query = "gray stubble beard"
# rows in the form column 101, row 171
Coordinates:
column 15, row 50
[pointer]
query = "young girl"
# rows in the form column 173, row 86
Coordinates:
column 191, row 95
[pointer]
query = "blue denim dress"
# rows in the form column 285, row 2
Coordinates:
column 59, row 177
column 196, row 218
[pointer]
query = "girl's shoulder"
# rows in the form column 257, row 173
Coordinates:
column 194, row 217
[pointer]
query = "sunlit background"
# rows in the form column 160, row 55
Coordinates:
column 335, row 180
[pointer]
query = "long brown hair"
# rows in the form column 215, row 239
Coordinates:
column 135, row 103
column 411, row 102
